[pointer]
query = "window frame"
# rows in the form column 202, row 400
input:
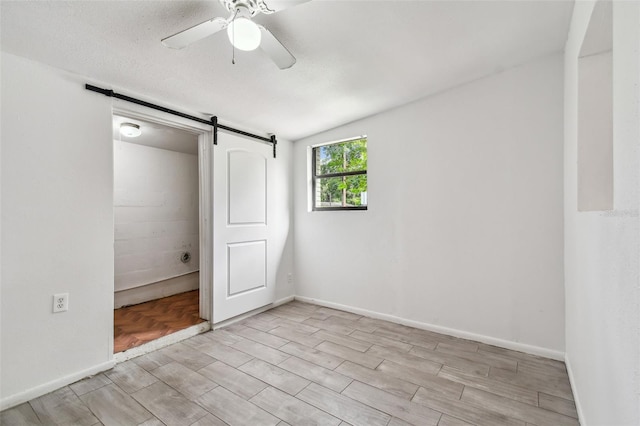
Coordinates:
column 315, row 176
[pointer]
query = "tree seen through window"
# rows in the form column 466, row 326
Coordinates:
column 340, row 175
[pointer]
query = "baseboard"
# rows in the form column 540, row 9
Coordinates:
column 162, row 342
column 281, row 301
column 157, row 290
column 35, row 392
column 521, row 347
column 574, row 389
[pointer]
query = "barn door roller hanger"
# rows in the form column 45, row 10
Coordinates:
column 213, row 121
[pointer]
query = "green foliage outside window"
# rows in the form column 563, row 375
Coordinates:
column 340, row 175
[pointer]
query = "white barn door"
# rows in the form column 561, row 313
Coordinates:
column 242, row 280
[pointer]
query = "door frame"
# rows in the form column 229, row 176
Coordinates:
column 205, row 198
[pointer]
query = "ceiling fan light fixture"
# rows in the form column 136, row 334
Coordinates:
column 130, row 130
column 244, row 34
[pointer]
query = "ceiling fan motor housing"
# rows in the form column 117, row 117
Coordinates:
column 252, row 7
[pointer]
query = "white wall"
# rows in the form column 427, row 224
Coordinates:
column 57, row 229
column 156, row 214
column 595, row 131
column 283, row 220
column 602, row 248
column 464, row 227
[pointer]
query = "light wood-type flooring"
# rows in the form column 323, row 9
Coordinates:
column 142, row 323
column 301, row 364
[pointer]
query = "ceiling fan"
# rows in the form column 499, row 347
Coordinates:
column 243, row 33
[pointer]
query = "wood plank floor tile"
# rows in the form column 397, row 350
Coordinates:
column 324, row 313
column 260, row 351
column 221, row 352
column 21, row 415
column 298, row 326
column 391, row 404
column 315, row 356
column 486, row 358
column 258, row 324
column 347, row 341
column 168, row 405
column 62, row 407
column 209, row 420
column 406, row 359
column 418, row 377
column 90, row 384
column 521, row 356
column 457, row 343
column 186, row 356
column 446, row 420
column 378, row 379
column 537, row 368
column 463, row 411
column 453, row 361
column 557, row 386
column 153, row 422
column 406, row 338
column 292, row 410
column 296, row 336
column 257, row 336
column 130, row 377
column 233, row 379
column 343, row 407
column 275, row 376
column 495, row 386
column 397, row 422
column 152, row 360
column 298, row 309
column 558, row 405
column 234, row 410
column 375, row 339
column 515, row 409
column 320, row 375
column 329, row 325
column 308, row 307
column 184, row 380
column 367, row 325
column 113, row 407
column 264, row 316
column 223, row 336
column 288, row 314
column 365, row 359
column 396, row 328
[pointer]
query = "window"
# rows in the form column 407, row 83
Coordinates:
column 340, row 175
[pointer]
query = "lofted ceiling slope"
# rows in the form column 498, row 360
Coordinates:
column 354, row 58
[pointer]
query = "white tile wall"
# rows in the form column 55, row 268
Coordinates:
column 156, row 214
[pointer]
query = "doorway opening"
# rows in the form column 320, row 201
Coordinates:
column 161, row 272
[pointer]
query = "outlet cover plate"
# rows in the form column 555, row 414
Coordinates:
column 61, row 302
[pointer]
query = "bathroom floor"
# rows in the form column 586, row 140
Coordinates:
column 139, row 324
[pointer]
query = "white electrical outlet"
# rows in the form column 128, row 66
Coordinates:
column 61, row 302
column 289, row 277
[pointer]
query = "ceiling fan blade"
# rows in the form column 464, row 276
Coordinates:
column 278, row 5
column 195, row 33
column 275, row 50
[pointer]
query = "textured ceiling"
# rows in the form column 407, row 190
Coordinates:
column 355, row 58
